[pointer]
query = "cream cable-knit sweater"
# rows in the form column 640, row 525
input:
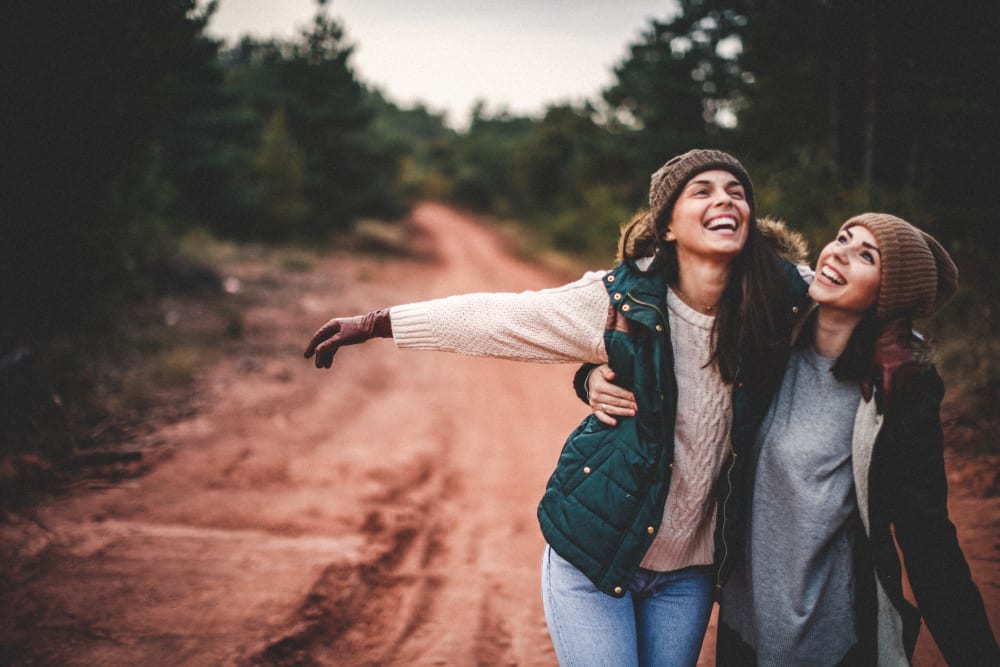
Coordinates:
column 566, row 325
column 701, row 437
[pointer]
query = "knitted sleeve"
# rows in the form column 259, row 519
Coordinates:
column 557, row 325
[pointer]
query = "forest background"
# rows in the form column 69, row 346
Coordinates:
column 136, row 145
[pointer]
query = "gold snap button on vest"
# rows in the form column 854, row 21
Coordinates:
column 611, row 279
column 586, row 470
column 618, row 296
column 618, row 590
column 650, row 530
column 659, row 327
column 626, row 308
column 795, row 310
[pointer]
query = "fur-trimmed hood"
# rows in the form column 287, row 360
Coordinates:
column 787, row 243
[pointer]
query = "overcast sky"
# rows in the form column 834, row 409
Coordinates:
column 516, row 54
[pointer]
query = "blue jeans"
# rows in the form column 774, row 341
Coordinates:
column 660, row 621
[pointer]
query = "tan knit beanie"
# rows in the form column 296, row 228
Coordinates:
column 918, row 276
column 666, row 184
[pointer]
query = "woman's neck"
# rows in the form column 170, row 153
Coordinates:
column 701, row 284
column 833, row 331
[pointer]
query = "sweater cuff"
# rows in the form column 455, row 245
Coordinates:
column 411, row 327
column 580, row 381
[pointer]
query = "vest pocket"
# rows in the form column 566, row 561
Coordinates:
column 582, row 453
column 598, row 471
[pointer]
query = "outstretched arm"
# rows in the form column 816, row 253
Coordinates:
column 342, row 331
column 556, row 325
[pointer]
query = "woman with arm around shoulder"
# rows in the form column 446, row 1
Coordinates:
column 629, row 513
column 849, row 456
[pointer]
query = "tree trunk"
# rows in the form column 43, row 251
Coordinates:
column 871, row 106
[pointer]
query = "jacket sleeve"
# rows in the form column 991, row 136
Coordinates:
column 580, row 381
column 937, row 569
column 557, row 325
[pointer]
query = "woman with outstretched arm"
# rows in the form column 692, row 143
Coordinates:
column 696, row 317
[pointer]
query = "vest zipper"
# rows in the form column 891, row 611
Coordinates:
column 648, row 305
column 725, row 544
column 666, row 325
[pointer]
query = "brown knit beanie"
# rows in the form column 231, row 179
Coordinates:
column 918, row 276
column 668, row 181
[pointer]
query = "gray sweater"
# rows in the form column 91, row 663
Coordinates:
column 792, row 599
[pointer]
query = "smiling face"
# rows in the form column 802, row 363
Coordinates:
column 848, row 273
column 711, row 216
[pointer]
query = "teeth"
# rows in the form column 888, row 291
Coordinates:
column 832, row 277
column 722, row 223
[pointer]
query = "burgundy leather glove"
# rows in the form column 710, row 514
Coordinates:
column 342, row 331
column 893, row 362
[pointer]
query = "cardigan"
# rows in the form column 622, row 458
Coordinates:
column 900, row 482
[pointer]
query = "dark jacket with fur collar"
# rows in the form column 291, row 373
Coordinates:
column 901, row 487
column 897, row 456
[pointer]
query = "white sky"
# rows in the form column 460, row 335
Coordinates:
column 519, row 55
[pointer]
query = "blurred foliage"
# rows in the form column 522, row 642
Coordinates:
column 484, row 173
column 130, row 127
column 129, row 132
column 674, row 89
column 424, row 145
column 280, row 169
column 92, row 91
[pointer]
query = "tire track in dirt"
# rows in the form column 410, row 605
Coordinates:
column 364, row 614
column 445, row 601
column 382, row 512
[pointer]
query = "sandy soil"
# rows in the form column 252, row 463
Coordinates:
column 380, row 513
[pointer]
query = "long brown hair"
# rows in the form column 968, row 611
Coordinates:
column 752, row 328
column 854, row 363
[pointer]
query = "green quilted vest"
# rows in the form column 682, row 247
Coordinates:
column 604, row 502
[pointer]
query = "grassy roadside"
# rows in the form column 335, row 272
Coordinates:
column 85, row 409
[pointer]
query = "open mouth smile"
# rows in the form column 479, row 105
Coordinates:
column 832, row 275
column 723, row 223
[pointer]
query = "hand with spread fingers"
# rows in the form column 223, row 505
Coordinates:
column 607, row 398
column 341, row 331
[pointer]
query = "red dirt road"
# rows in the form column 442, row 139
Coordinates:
column 379, row 513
